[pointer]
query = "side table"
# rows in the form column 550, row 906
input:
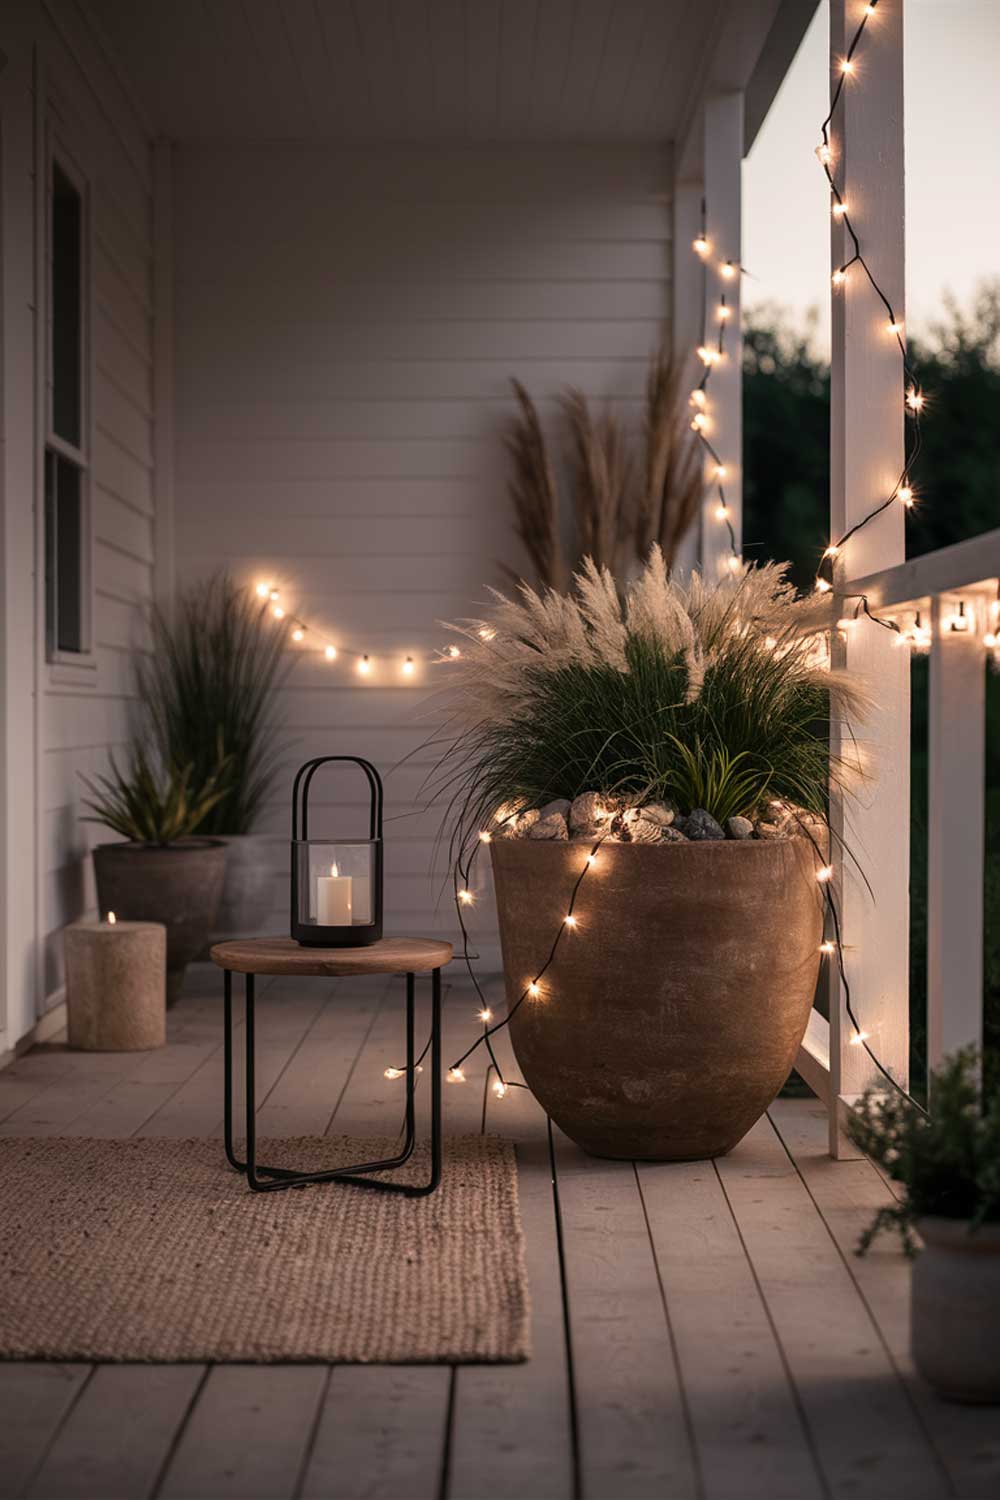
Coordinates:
column 283, row 956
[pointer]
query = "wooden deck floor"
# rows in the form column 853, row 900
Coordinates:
column 700, row 1330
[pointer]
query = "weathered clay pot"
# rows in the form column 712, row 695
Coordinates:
column 955, row 1309
column 247, row 890
column 673, row 1011
column 178, row 884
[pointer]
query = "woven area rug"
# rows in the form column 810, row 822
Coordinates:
column 155, row 1250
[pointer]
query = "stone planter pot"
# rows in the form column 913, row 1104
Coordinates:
column 179, row 885
column 955, row 1309
column 247, row 890
column 673, row 1011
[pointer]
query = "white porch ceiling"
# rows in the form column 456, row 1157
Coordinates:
column 403, row 70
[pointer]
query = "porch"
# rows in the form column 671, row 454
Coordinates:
column 699, row 1330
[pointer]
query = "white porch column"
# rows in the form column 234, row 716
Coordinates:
column 723, row 212
column 685, row 323
column 866, row 458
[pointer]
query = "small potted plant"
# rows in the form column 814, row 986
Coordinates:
column 679, row 735
column 161, row 873
column 209, row 681
column 948, row 1162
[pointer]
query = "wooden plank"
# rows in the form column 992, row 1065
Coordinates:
column 956, row 831
column 248, row 1435
column 813, row 1058
column 114, row 1442
column 748, row 1426
column 866, row 1435
column 35, row 1400
column 512, row 1428
column 866, row 458
column 381, row 1434
column 965, row 1439
column 633, row 1434
column 974, row 563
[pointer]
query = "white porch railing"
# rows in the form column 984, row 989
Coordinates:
column 955, row 591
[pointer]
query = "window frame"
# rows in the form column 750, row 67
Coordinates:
column 66, row 665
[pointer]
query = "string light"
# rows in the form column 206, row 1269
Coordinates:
column 699, row 421
column 824, row 153
column 701, row 245
column 727, row 270
column 846, row 65
column 499, row 1088
column 298, row 633
column 456, row 1075
column 278, row 612
column 466, row 897
column 534, row 989
column 824, row 873
column 720, row 471
column 408, row 667
column 570, row 920
column 330, row 653
column 827, row 947
column 723, row 312
column 364, row 665
column 859, row 1038
column 486, row 1015
column 485, row 837
column 832, row 551
column 839, row 209
column 905, row 493
column 393, row 1073
column 263, row 592
column 112, row 919
column 698, row 398
column 453, row 652
column 914, row 399
column 274, row 593
column 894, row 326
column 486, row 632
column 958, row 623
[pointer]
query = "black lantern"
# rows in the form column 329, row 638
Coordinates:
column 336, row 883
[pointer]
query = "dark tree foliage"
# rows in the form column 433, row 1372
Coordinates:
column 786, row 426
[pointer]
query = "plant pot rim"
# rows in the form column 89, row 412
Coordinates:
column 954, row 1234
column 588, row 843
column 190, row 845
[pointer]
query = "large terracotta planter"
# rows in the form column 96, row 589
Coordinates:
column 178, row 884
column 673, row 1011
column 955, row 1309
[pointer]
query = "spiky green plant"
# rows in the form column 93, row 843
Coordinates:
column 948, row 1160
column 718, row 695
column 210, row 680
column 149, row 808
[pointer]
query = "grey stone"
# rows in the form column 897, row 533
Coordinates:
column 589, row 814
column 552, row 827
column 558, row 805
column 642, row 830
column 739, row 828
column 765, row 830
column 659, row 812
column 701, row 826
column 526, row 822
column 672, row 835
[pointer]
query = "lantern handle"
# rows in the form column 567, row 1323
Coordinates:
column 309, row 770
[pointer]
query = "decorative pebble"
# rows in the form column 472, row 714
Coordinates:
column 558, row 805
column 589, row 814
column 739, row 828
column 632, row 828
column 659, row 812
column 552, row 827
column 672, row 835
column 526, row 822
column 765, row 830
column 701, row 826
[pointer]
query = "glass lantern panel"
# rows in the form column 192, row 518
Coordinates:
column 336, row 883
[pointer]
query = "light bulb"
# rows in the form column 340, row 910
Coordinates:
column 846, row 65
column 263, row 591
column 824, row 153
column 828, row 947
column 839, row 277
column 407, row 668
column 724, row 312
column 722, row 512
column 592, row 859
column 466, row 897
column 832, row 551
column 959, row 623
column 699, row 421
column 727, row 270
column 455, row 1075
column 534, row 989
column 858, row 1038
column 894, row 326
column 698, row 398
column 499, row 1088
column 825, row 872
column 991, row 640
column 570, row 920
column 870, row 8
column 734, row 563
column 393, row 1073
column 278, row 612
column 822, row 587
column 453, row 652
column 330, row 653
column 485, row 1015
column 839, row 209
column 112, row 919
column 274, row 593
column 721, row 471
column 485, row 837
column 364, row 666
column 298, row 633
column 700, row 245
column 905, row 494
column 914, row 399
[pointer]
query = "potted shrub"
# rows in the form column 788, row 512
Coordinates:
column 209, row 681
column 948, row 1162
column 684, row 730
column 161, row 873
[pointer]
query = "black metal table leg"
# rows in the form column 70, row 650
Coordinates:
column 265, row 1179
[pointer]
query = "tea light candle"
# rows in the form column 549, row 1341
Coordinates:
column 116, row 985
column 334, row 899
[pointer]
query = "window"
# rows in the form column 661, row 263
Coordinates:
column 67, row 492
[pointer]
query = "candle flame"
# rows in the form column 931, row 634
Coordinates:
column 112, row 919
column 334, row 871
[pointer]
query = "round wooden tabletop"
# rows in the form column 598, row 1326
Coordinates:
column 283, row 955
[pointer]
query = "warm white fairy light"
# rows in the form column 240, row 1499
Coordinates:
column 485, row 837
column 592, row 859
column 393, row 1073
column 466, row 897
column 278, row 612
column 569, row 920
column 499, row 1088
column 698, row 398
column 839, row 276
column 723, row 312
column 894, row 326
column 408, row 667
column 770, row 642
column 330, row 653
column 722, row 512
column 701, row 245
column 456, row 1075
column 364, row 666
column 858, row 1038
column 298, row 633
column 832, row 551
column 846, row 65
column 824, row 153
column 958, row 622
column 263, row 591
column 845, row 624
column 828, row 947
column 824, row 873
column 914, row 399
column 534, row 989
column 274, row 593
column 727, row 270
column 839, row 209
column 486, row 633
column 905, row 493
column 112, row 919
column 699, row 421
column 485, row 1015
column 734, row 563
column 453, row 652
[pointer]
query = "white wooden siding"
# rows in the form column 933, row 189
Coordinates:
column 84, row 715
column 346, row 325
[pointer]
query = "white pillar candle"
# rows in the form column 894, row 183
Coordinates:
column 333, row 899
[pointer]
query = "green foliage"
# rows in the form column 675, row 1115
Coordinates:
column 710, row 777
column 948, row 1161
column 210, row 681
column 150, row 809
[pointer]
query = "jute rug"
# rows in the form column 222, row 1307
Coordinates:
column 155, row 1250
